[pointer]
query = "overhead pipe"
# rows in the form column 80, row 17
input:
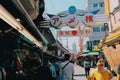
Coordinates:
column 8, row 18
column 22, row 9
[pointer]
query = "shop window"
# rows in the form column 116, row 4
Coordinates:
column 95, row 5
column 96, row 29
column 101, row 4
column 102, row 29
column 96, row 42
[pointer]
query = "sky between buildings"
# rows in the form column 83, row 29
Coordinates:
column 56, row 6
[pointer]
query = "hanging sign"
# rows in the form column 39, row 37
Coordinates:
column 72, row 9
column 71, row 33
column 88, row 19
column 72, row 20
column 55, row 21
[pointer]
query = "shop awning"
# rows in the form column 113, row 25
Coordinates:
column 89, row 53
column 26, row 39
column 111, row 39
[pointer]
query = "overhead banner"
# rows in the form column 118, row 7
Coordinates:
column 71, row 19
column 72, row 33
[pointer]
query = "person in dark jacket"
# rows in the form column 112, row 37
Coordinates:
column 2, row 73
column 44, row 72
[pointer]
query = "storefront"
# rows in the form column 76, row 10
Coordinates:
column 111, row 49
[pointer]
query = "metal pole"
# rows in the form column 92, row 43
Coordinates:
column 111, row 23
column 119, row 2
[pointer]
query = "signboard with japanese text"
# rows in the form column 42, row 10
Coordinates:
column 88, row 19
column 73, row 17
column 72, row 33
column 55, row 21
column 80, row 45
column 72, row 20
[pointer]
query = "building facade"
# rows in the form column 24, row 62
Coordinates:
column 98, row 31
column 115, row 14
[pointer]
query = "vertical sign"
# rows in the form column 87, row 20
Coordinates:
column 80, row 45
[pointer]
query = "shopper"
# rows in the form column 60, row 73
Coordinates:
column 67, row 68
column 100, row 72
column 87, row 67
column 2, row 73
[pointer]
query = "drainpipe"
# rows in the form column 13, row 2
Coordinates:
column 22, row 9
column 119, row 2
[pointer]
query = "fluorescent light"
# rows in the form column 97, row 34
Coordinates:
column 8, row 18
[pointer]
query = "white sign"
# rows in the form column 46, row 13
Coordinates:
column 73, row 33
column 72, row 20
column 88, row 19
column 55, row 21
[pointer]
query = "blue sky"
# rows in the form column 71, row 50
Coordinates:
column 56, row 6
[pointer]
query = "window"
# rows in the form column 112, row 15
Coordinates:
column 95, row 5
column 91, row 6
column 102, row 29
column 96, row 42
column 96, row 29
column 101, row 4
column 89, row 45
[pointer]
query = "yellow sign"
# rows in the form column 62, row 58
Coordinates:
column 96, row 48
column 107, row 7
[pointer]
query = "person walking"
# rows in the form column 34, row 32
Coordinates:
column 53, row 70
column 118, row 74
column 100, row 72
column 67, row 68
column 87, row 67
column 2, row 73
column 44, row 72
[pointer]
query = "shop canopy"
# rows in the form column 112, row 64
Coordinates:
column 111, row 48
column 111, row 39
column 89, row 53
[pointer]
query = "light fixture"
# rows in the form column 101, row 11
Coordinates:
column 8, row 18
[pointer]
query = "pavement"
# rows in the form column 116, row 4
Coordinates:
column 80, row 73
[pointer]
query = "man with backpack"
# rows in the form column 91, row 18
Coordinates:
column 67, row 68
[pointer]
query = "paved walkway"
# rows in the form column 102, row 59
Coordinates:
column 80, row 73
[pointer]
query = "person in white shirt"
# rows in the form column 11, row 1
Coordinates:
column 67, row 68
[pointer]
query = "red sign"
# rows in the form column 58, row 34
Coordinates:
column 73, row 33
column 88, row 19
column 72, row 20
column 55, row 21
column 80, row 45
